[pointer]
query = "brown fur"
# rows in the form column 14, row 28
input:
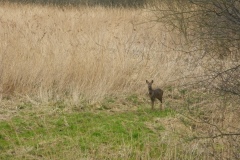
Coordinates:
column 154, row 93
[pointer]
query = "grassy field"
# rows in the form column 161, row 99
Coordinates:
column 84, row 135
column 120, row 128
column 115, row 129
column 73, row 86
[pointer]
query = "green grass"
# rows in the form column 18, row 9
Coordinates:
column 116, row 128
column 33, row 135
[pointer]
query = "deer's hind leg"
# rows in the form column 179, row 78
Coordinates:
column 161, row 104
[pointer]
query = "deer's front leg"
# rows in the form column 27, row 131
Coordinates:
column 152, row 103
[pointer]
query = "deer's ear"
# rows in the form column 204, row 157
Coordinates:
column 152, row 81
column 147, row 81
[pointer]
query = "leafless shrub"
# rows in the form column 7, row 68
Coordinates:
column 211, row 35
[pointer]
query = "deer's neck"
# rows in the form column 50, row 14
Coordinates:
column 150, row 90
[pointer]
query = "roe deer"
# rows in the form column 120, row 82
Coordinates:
column 154, row 93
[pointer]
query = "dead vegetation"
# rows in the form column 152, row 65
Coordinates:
column 93, row 59
column 52, row 53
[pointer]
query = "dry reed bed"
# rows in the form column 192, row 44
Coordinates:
column 49, row 52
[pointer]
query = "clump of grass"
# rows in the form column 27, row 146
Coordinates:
column 133, row 98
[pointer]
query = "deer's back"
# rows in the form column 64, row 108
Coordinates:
column 158, row 92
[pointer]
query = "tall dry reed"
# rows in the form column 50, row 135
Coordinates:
column 89, row 52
